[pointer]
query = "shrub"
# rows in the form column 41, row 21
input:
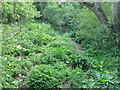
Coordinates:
column 27, row 40
column 58, row 50
column 61, row 14
column 13, row 67
column 42, row 34
column 76, row 77
column 46, row 76
column 23, row 11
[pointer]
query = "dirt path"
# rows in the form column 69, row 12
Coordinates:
column 77, row 45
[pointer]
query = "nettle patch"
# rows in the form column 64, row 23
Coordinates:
column 47, row 76
column 22, row 43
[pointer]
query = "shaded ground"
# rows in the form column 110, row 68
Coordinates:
column 77, row 45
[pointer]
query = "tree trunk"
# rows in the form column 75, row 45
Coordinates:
column 14, row 9
column 97, row 10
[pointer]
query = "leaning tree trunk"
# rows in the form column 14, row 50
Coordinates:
column 97, row 10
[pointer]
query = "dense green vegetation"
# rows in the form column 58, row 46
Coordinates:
column 47, row 45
